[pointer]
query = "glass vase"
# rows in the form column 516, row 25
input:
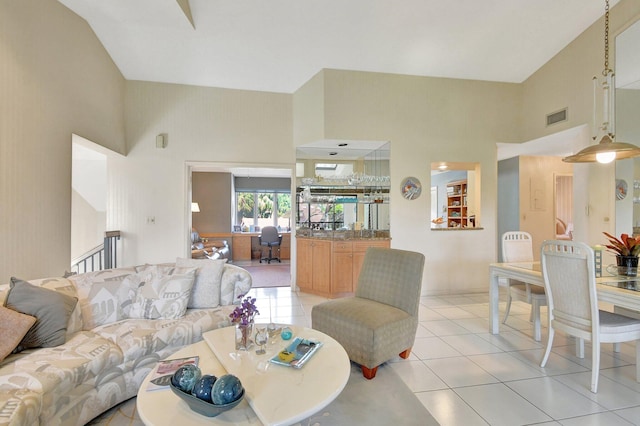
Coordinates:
column 243, row 336
column 627, row 265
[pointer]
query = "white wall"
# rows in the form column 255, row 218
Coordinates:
column 88, row 226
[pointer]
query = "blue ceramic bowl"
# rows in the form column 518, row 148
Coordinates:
column 205, row 408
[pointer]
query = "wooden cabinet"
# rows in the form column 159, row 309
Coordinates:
column 241, row 247
column 285, row 248
column 457, row 204
column 331, row 268
column 314, row 266
column 359, row 250
column 342, row 268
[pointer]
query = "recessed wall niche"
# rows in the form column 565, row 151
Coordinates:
column 456, row 187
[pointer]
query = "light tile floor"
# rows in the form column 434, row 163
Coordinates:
column 466, row 376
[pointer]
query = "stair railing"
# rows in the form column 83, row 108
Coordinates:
column 103, row 256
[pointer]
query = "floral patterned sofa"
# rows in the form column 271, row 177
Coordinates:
column 101, row 333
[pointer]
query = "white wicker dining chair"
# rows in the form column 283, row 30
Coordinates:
column 570, row 282
column 517, row 246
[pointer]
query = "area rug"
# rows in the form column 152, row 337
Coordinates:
column 383, row 401
column 273, row 275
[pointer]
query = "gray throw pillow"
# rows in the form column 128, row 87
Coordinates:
column 51, row 309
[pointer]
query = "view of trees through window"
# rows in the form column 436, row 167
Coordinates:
column 263, row 209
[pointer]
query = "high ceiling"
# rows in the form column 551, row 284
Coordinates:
column 278, row 45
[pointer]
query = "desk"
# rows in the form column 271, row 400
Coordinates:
column 530, row 272
column 245, row 242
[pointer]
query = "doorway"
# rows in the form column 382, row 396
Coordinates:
column 563, row 202
column 223, row 200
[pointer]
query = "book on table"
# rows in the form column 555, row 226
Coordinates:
column 161, row 374
column 297, row 353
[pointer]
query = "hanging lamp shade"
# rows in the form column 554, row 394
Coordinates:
column 598, row 153
column 607, row 150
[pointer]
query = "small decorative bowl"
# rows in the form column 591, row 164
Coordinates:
column 203, row 407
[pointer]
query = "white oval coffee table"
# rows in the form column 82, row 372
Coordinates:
column 274, row 394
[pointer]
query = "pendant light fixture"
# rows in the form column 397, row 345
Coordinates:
column 607, row 149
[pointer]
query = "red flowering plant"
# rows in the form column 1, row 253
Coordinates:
column 624, row 246
column 244, row 313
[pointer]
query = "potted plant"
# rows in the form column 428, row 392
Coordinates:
column 626, row 248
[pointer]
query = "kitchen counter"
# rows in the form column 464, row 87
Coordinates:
column 343, row 235
column 329, row 266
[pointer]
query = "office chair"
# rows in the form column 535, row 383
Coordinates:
column 270, row 238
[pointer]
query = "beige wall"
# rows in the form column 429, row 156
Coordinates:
column 57, row 79
column 308, row 111
column 203, row 125
column 566, row 81
column 627, row 114
column 213, row 193
column 428, row 120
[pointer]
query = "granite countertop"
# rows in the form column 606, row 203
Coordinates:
column 344, row 235
column 338, row 238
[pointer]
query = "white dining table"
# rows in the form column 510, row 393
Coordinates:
column 615, row 289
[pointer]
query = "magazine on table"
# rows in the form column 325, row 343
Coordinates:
column 297, row 353
column 161, row 374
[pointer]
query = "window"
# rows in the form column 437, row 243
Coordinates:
column 262, row 208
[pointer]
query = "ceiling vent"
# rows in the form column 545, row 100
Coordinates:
column 557, row 117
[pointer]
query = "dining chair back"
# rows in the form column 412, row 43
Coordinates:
column 569, row 277
column 517, row 246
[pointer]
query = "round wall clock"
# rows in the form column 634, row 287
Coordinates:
column 411, row 188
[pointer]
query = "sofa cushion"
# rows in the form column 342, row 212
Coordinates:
column 103, row 297
column 206, row 287
column 13, row 327
column 235, row 283
column 141, row 337
column 161, row 295
column 51, row 309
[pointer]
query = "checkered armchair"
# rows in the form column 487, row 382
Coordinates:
column 381, row 320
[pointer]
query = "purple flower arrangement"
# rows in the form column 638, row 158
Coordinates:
column 245, row 312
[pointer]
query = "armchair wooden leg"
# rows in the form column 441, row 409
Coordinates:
column 405, row 354
column 369, row 373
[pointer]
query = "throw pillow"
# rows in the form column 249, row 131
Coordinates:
column 206, row 287
column 64, row 286
column 103, row 297
column 13, row 327
column 51, row 309
column 161, row 296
